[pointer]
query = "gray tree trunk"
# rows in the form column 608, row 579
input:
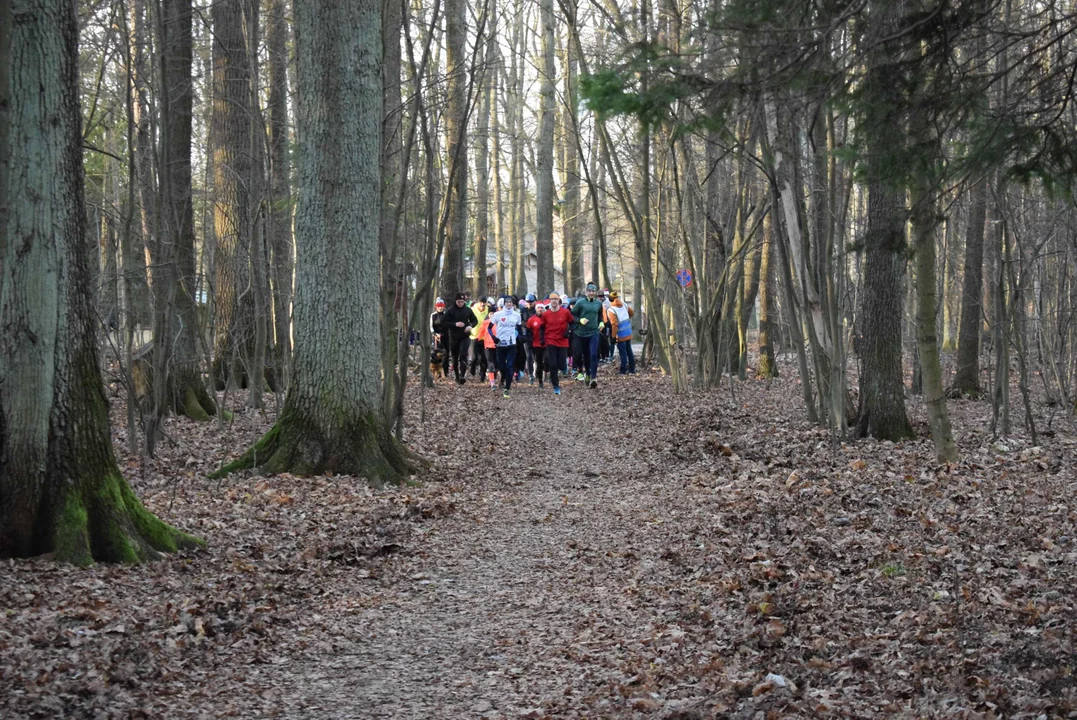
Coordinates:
column 544, row 154
column 279, row 221
column 967, row 378
column 452, row 273
column 60, row 488
column 332, row 420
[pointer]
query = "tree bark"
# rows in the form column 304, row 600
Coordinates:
column 331, row 421
column 768, row 365
column 60, row 488
column 176, row 325
column 452, row 273
column 279, row 224
column 923, row 229
column 967, row 378
column 544, row 152
column 231, row 134
column 882, row 389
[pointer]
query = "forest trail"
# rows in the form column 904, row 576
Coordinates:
column 514, row 587
column 619, row 553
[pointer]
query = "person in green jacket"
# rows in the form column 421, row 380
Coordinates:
column 588, row 312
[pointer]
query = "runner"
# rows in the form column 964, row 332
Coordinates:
column 536, row 346
column 619, row 316
column 525, row 360
column 436, row 319
column 480, row 310
column 605, row 345
column 589, row 312
column 459, row 320
column 505, row 327
column 555, row 324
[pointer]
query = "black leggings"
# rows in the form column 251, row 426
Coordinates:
column 506, row 363
column 539, row 355
column 458, row 347
column 555, row 363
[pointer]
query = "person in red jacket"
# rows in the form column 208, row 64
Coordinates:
column 537, row 339
column 555, row 324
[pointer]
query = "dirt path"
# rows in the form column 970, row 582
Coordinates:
column 499, row 615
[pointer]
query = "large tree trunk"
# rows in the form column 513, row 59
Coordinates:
column 572, row 212
column 60, row 488
column 452, row 273
column 136, row 287
column 176, row 325
column 544, row 153
column 882, row 389
column 279, row 222
column 331, row 420
column 231, row 134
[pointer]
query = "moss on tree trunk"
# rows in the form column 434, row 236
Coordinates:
column 61, row 491
column 105, row 521
column 301, row 444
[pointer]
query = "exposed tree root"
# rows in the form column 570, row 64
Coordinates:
column 356, row 446
column 104, row 521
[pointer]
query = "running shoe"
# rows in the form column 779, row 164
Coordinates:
column 593, row 384
column 505, row 394
column 580, row 377
column 557, row 391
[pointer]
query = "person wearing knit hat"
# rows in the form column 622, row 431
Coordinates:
column 555, row 325
column 589, row 315
column 619, row 317
column 537, row 342
column 456, row 326
column 525, row 355
column 504, row 329
column 438, row 338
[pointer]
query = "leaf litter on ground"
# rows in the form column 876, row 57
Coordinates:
column 619, row 552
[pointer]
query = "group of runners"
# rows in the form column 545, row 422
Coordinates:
column 537, row 339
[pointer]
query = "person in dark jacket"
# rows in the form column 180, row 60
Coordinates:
column 440, row 337
column 525, row 356
column 589, row 314
column 457, row 323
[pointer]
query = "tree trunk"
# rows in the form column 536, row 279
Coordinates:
column 482, row 177
column 882, row 389
column 571, row 212
column 279, row 221
column 768, row 365
column 60, row 488
column 136, row 287
column 452, row 273
column 186, row 389
column 544, row 152
column 231, row 133
column 923, row 231
column 331, row 420
column 967, row 379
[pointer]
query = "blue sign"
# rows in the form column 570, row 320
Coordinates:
column 684, row 277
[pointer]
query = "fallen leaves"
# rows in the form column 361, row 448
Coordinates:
column 566, row 558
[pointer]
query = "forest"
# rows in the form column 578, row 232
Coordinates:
column 841, row 240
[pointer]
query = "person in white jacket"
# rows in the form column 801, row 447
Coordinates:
column 505, row 326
